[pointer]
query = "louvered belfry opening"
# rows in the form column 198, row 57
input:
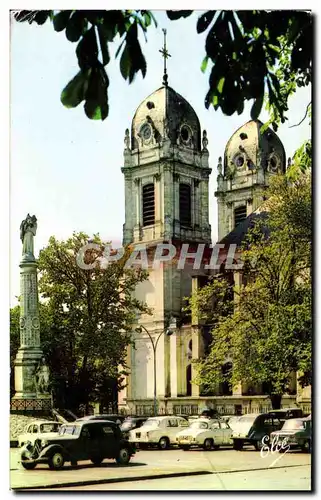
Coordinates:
column 185, row 215
column 239, row 215
column 148, row 205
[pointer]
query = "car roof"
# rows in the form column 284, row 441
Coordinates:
column 303, row 419
column 39, row 422
column 91, row 422
column 137, row 418
column 253, row 415
column 100, row 415
column 207, row 420
column 162, row 417
column 284, row 410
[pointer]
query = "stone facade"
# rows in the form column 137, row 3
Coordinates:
column 29, row 353
column 250, row 159
column 164, row 149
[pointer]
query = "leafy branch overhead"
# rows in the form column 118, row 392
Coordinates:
column 250, row 55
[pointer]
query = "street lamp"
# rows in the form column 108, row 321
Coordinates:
column 168, row 331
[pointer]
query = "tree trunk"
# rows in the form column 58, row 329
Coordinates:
column 276, row 401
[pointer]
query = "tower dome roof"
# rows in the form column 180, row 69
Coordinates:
column 256, row 149
column 165, row 114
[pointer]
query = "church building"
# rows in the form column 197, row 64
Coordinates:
column 166, row 172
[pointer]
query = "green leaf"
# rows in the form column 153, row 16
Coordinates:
column 75, row 90
column 119, row 49
column 87, row 50
column 220, row 85
column 173, row 15
column 257, row 106
column 103, row 45
column 61, row 19
column 148, row 19
column 205, row 20
column 153, row 18
column 42, row 16
column 96, row 105
column 125, row 63
column 76, row 26
column 204, row 64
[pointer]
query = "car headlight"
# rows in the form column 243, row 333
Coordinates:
column 44, row 442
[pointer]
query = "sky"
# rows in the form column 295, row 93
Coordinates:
column 65, row 168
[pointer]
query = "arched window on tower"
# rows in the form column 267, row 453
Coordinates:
column 148, row 205
column 239, row 215
column 185, row 205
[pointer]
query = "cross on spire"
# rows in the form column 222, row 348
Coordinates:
column 165, row 55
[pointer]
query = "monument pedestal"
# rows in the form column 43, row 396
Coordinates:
column 26, row 362
column 27, row 399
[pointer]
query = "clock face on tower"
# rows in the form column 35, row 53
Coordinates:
column 274, row 162
column 145, row 131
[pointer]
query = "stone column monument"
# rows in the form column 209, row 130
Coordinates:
column 31, row 374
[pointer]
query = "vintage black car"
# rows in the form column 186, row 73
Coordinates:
column 83, row 440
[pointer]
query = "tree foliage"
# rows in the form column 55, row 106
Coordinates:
column 249, row 54
column 268, row 332
column 86, row 320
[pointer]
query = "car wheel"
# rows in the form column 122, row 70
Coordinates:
column 208, row 443
column 237, row 445
column 123, row 457
column 185, row 448
column 258, row 445
column 305, row 447
column 28, row 465
column 163, row 443
column 96, row 460
column 56, row 461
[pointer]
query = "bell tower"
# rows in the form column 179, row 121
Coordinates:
column 166, row 171
column 251, row 158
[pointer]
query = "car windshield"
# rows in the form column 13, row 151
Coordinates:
column 293, row 425
column 152, row 422
column 199, row 425
column 49, row 427
column 73, row 430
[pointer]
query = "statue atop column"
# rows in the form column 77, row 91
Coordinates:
column 28, row 229
column 31, row 375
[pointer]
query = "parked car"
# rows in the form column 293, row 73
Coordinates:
column 160, row 431
column 192, row 418
column 286, row 413
column 295, row 432
column 232, row 420
column 205, row 433
column 86, row 440
column 118, row 419
column 209, row 413
column 251, row 428
column 38, row 427
column 131, row 423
